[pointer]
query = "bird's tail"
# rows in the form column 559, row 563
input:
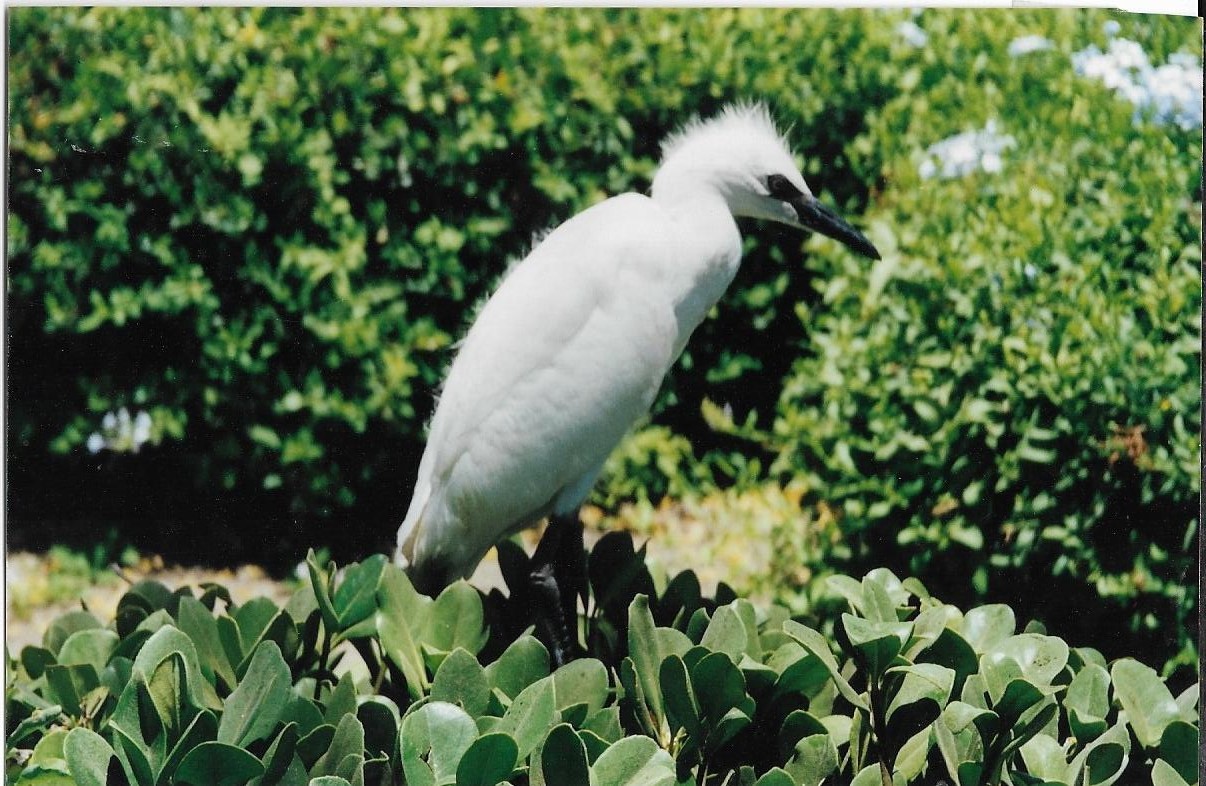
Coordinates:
column 408, row 533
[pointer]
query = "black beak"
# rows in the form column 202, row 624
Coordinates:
column 820, row 218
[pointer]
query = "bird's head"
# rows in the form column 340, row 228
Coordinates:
column 740, row 155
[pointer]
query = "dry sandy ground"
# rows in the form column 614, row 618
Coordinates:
column 699, row 537
column 246, row 582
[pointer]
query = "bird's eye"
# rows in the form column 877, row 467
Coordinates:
column 780, row 187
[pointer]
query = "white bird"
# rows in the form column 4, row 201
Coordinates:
column 571, row 349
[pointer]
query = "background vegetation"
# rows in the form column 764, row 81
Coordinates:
column 257, row 233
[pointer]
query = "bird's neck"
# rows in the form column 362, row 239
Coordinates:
column 710, row 247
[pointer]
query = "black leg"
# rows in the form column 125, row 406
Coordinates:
column 558, row 578
column 571, row 568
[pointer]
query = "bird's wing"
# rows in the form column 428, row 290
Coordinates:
column 561, row 361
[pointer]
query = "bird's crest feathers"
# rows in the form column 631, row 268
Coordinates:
column 734, row 121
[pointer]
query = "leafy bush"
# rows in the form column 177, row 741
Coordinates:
column 359, row 679
column 1015, row 387
column 264, row 228
column 1008, row 404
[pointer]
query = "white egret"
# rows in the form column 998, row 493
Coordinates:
column 571, row 349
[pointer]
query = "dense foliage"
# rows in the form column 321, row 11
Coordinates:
column 242, row 243
column 359, row 679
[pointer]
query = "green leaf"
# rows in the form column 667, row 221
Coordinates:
column 1045, row 758
column 88, row 647
column 796, row 726
column 960, row 732
column 88, row 756
column 341, row 701
column 1187, row 701
column 198, row 624
column 1180, row 747
column 64, row 626
column 1019, row 697
column 402, row 612
column 725, row 633
column 876, row 644
column 682, row 709
column 455, row 620
column 722, row 688
column 382, row 721
column 775, row 777
column 217, row 764
column 1164, row 774
column 252, row 710
column 633, row 761
column 648, row 646
column 279, row 756
column 126, row 723
column 462, row 680
column 39, row 721
column 605, row 723
column 986, row 626
column 878, row 605
column 163, row 643
column 804, row 673
column 522, row 663
column 952, row 651
column 815, row 757
column 1087, row 702
column 1105, row 764
column 850, row 589
column 1079, row 769
column 1041, row 658
column 488, row 761
column 46, row 765
column 202, row 728
column 320, row 582
column 868, row 776
column 1148, row 703
column 616, row 572
column 66, row 685
column 531, row 715
column 817, row 644
column 434, row 738
column 253, row 618
column 913, row 754
column 355, row 598
column 921, row 681
column 563, row 758
column 348, row 741
column 168, row 688
column 582, row 681
column 35, row 660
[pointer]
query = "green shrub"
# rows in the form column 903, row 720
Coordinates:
column 264, row 228
column 1009, row 403
column 359, row 679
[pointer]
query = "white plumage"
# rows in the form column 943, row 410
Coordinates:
column 571, row 349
